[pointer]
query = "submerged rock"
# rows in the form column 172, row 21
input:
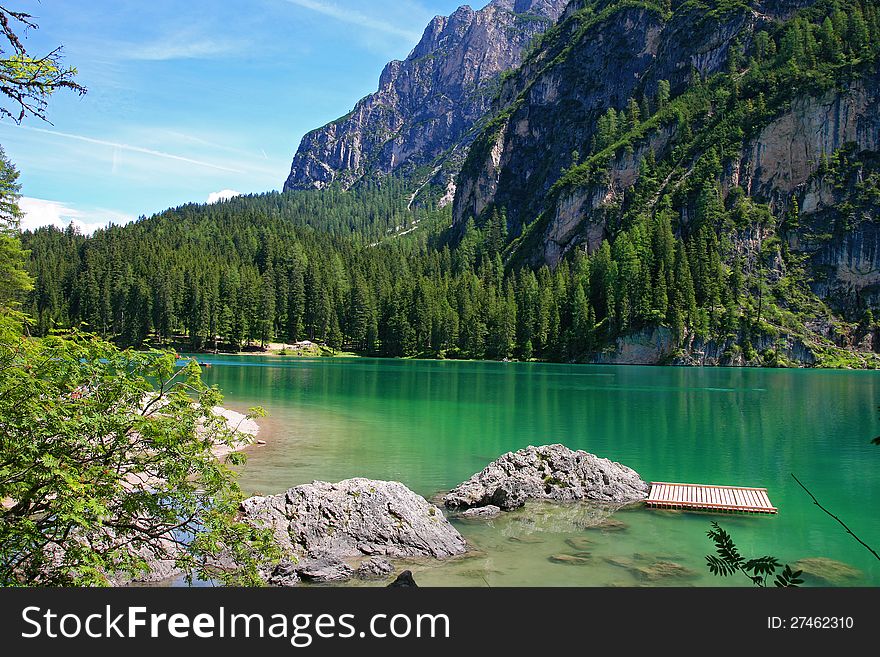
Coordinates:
column 482, row 512
column 551, row 472
column 582, row 559
column 355, row 518
column 579, row 543
column 827, row 571
column 620, row 562
column 662, row 570
column 375, row 568
column 526, row 540
column 610, row 525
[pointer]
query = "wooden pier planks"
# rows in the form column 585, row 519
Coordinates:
column 729, row 499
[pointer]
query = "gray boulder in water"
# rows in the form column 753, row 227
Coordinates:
column 354, row 518
column 550, row 472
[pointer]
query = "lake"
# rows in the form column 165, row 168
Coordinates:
column 432, row 424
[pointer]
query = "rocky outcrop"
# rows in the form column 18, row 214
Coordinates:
column 551, row 472
column 787, row 152
column 655, row 346
column 354, row 518
column 648, row 347
column 375, row 568
column 552, row 105
column 427, row 105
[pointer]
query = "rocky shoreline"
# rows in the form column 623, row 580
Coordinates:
column 362, row 529
column 330, row 532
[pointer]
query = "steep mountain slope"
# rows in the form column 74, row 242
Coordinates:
column 602, row 54
column 745, row 132
column 420, row 120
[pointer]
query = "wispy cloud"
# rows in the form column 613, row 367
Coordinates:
column 40, row 212
column 179, row 47
column 357, row 18
column 223, row 195
column 132, row 149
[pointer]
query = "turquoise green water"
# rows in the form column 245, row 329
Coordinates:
column 432, row 425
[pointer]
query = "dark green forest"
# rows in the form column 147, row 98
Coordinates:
column 361, row 271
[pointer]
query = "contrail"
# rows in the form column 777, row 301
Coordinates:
column 356, row 18
column 133, row 149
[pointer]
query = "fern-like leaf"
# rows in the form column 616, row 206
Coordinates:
column 762, row 565
column 788, row 579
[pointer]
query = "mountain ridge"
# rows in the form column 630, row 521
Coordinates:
column 418, row 123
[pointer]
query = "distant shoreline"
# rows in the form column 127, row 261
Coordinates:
column 328, row 353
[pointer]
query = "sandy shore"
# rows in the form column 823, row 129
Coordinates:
column 246, row 428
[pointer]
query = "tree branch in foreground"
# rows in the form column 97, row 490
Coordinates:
column 842, row 524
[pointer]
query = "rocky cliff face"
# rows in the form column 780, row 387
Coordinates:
column 544, row 161
column 603, row 53
column 426, row 107
column 780, row 162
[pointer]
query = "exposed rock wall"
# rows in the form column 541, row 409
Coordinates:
column 552, row 105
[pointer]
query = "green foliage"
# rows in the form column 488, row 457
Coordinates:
column 27, row 81
column 106, row 460
column 728, row 561
column 14, row 280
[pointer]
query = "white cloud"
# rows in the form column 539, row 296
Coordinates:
column 39, row 212
column 179, row 48
column 357, row 18
column 223, row 195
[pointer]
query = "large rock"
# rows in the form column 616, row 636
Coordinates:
column 551, row 472
column 354, row 518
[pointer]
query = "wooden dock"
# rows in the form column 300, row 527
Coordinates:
column 723, row 499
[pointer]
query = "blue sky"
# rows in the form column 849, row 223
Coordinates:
column 188, row 100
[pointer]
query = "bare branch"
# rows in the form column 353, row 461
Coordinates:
column 842, row 524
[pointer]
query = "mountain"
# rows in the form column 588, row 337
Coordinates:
column 691, row 182
column 747, row 133
column 420, row 120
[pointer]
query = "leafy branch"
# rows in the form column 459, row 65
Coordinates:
column 728, row 561
column 26, row 80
